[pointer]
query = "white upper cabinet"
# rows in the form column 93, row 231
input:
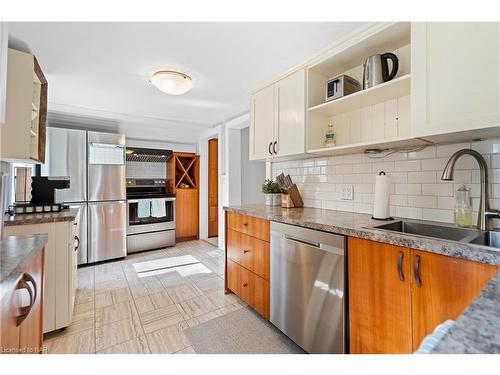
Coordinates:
column 262, row 123
column 290, row 121
column 277, row 126
column 455, row 77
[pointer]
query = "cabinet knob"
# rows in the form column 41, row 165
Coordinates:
column 246, row 251
column 245, row 224
column 245, row 285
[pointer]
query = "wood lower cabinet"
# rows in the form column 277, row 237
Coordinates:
column 398, row 295
column 247, row 260
column 379, row 301
column 23, row 336
column 446, row 287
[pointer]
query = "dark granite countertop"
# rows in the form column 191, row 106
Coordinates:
column 477, row 330
column 41, row 218
column 361, row 225
column 17, row 253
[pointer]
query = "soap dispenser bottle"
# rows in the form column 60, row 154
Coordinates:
column 463, row 207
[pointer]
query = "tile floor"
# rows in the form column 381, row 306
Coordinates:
column 142, row 304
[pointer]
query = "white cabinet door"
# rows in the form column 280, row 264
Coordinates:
column 455, row 76
column 262, row 124
column 290, row 121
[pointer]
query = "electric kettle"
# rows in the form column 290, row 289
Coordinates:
column 376, row 69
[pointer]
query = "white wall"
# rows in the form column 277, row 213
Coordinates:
column 253, row 173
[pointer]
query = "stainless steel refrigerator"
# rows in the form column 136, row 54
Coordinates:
column 95, row 163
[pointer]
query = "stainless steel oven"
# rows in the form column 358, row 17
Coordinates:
column 151, row 215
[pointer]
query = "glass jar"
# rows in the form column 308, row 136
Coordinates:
column 330, row 140
column 463, row 207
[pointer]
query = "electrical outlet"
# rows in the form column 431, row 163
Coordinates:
column 347, row 192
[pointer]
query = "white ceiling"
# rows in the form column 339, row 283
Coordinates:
column 102, row 69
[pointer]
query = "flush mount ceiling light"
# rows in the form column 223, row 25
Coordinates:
column 171, row 82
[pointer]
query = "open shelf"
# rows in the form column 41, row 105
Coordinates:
column 374, row 95
column 362, row 146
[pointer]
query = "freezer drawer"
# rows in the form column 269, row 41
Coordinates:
column 81, row 222
column 149, row 241
column 107, row 230
column 307, row 287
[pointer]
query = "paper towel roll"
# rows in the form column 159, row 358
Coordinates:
column 381, row 200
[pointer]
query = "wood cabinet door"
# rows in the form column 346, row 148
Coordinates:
column 445, row 288
column 31, row 334
column 246, row 286
column 254, row 255
column 445, row 96
column 186, row 213
column 379, row 301
column 262, row 123
column 291, row 114
column 260, row 290
column 233, row 277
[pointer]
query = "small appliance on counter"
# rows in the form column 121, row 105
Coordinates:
column 376, row 69
column 43, row 188
column 341, row 86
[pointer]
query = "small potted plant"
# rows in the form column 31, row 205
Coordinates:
column 272, row 193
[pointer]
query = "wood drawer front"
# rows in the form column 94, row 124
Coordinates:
column 254, row 255
column 233, row 245
column 249, row 225
column 233, row 276
column 260, row 291
column 246, row 286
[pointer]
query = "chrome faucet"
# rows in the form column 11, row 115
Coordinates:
column 484, row 211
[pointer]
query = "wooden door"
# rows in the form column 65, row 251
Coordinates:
column 291, row 107
column 262, row 124
column 31, row 335
column 379, row 301
column 447, row 286
column 213, row 188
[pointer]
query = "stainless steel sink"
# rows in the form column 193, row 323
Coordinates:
column 491, row 239
column 430, row 230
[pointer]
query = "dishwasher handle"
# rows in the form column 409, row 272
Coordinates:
column 302, row 241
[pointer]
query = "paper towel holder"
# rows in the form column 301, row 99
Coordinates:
column 382, row 173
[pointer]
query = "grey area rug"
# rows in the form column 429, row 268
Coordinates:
column 240, row 332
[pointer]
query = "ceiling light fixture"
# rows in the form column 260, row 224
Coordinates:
column 171, row 82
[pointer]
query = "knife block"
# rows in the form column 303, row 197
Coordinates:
column 292, row 199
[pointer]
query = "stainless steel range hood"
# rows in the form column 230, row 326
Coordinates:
column 148, row 155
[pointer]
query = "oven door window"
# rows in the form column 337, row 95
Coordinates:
column 146, row 216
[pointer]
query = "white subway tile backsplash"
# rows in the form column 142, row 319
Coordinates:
column 408, row 165
column 416, row 189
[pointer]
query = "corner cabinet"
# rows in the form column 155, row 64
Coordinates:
column 397, row 295
column 456, row 79
column 278, row 117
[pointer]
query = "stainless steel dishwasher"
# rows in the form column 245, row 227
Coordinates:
column 307, row 287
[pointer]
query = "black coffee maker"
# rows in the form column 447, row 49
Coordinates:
column 43, row 188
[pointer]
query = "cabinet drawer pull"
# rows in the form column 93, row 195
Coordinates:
column 416, row 270
column 274, row 147
column 246, row 251
column 245, row 284
column 269, row 148
column 77, row 239
column 23, row 284
column 245, row 224
column 400, row 266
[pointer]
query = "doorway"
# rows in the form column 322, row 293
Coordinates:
column 213, row 189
